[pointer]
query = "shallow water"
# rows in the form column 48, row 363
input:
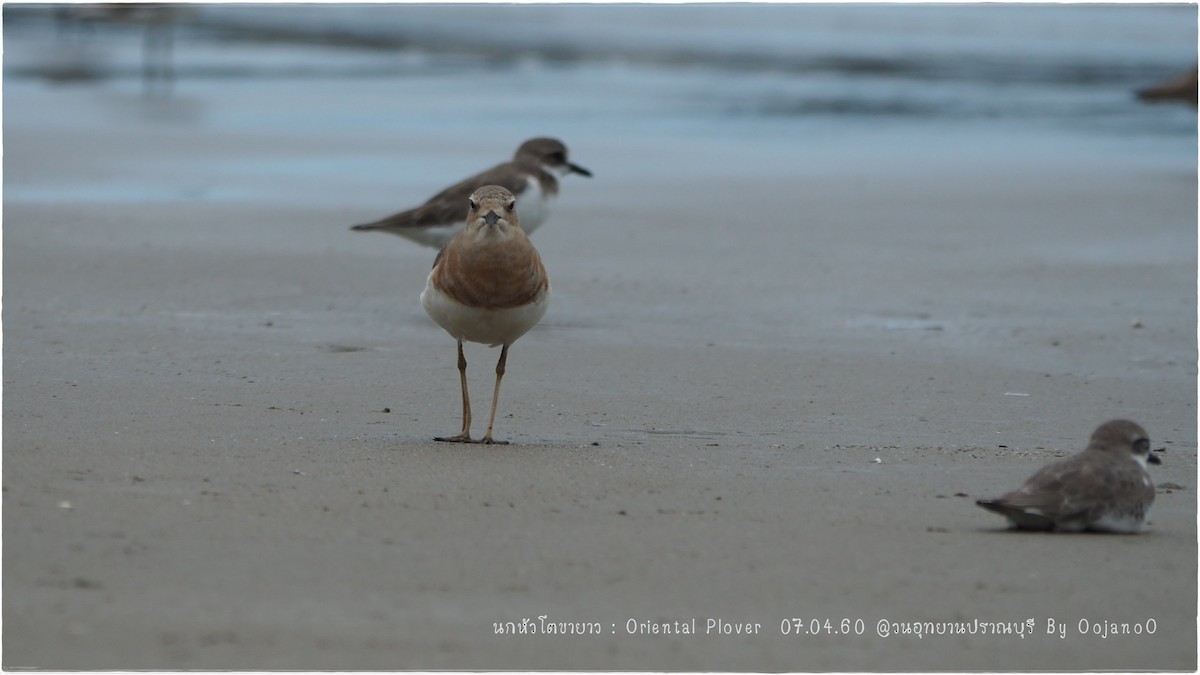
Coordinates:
column 1064, row 68
column 667, row 93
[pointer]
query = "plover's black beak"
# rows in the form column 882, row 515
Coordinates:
column 1153, row 458
column 491, row 218
column 575, row 168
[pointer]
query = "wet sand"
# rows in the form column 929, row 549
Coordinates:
column 766, row 389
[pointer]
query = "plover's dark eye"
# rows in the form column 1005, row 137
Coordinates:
column 512, row 205
column 473, row 204
column 1141, row 445
column 558, row 157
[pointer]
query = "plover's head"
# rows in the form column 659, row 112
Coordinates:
column 1123, row 438
column 550, row 154
column 493, row 212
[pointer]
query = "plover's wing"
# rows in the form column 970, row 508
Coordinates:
column 1022, row 517
column 450, row 205
column 1053, row 498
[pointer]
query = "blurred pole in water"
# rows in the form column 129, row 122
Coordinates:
column 158, row 22
column 1182, row 87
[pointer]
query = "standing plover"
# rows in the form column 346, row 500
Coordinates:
column 532, row 176
column 488, row 285
column 1105, row 488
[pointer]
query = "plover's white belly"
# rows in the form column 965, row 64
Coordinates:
column 533, row 206
column 1121, row 522
column 491, row 327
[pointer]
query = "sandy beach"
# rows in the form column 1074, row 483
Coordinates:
column 768, row 390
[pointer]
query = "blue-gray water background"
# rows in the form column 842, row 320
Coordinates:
column 667, row 70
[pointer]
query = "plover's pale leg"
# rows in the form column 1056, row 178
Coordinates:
column 487, row 438
column 465, row 435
